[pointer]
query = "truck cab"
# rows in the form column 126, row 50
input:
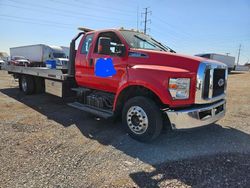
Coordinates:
column 57, row 53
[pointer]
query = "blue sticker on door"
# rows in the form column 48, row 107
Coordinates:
column 104, row 67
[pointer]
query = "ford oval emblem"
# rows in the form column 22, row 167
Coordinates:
column 221, row 82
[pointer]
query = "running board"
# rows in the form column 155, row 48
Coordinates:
column 93, row 110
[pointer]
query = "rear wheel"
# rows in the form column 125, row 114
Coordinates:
column 142, row 119
column 27, row 84
column 20, row 83
column 39, row 85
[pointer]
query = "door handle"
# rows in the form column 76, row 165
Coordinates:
column 91, row 62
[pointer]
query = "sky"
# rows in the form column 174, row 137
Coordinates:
column 187, row 26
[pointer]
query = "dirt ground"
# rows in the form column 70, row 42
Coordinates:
column 45, row 143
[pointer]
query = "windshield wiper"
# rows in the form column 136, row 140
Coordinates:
column 145, row 41
column 164, row 46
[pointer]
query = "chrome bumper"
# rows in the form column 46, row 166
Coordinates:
column 196, row 117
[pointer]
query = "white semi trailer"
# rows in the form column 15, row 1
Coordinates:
column 38, row 54
column 226, row 59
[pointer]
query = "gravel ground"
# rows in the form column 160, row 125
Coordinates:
column 45, row 143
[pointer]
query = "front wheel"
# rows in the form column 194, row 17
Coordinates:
column 142, row 119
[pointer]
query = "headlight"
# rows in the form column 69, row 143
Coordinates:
column 179, row 88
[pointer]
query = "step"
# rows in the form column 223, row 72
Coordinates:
column 80, row 89
column 93, row 110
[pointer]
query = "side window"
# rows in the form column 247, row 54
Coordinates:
column 86, row 44
column 115, row 41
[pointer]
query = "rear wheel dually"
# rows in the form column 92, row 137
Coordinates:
column 27, row 84
column 142, row 119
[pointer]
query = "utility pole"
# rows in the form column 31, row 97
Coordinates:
column 238, row 59
column 137, row 15
column 146, row 19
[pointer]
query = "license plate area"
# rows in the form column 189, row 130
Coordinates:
column 218, row 109
column 205, row 114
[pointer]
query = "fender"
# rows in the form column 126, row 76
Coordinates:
column 156, row 78
column 128, row 84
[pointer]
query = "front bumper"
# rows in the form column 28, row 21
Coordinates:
column 198, row 116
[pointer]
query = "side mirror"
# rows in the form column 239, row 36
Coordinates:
column 104, row 45
column 121, row 49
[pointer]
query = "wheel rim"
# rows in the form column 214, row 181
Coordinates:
column 137, row 120
column 24, row 84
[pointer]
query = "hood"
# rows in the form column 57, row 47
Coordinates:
column 168, row 59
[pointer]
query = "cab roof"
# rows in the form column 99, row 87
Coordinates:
column 86, row 30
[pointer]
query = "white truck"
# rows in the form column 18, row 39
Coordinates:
column 65, row 50
column 38, row 54
column 226, row 59
column 4, row 56
column 3, row 59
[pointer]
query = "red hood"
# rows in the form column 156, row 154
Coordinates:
column 149, row 57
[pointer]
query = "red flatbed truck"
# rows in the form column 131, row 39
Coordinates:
column 152, row 86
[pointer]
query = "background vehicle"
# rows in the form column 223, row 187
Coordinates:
column 20, row 61
column 1, row 63
column 228, row 60
column 40, row 53
column 4, row 56
column 65, row 50
column 150, row 86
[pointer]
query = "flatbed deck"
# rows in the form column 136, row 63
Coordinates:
column 55, row 74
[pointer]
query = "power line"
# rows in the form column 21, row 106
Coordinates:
column 35, row 23
column 60, row 11
column 146, row 20
column 97, row 7
column 63, row 13
column 94, row 5
column 35, row 20
column 175, row 29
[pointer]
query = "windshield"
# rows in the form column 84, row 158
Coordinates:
column 142, row 41
column 59, row 55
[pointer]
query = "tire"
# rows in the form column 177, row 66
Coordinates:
column 39, row 85
column 142, row 119
column 27, row 84
column 20, row 83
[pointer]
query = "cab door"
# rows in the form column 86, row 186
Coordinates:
column 82, row 63
column 110, row 83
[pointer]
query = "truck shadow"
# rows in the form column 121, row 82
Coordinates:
column 171, row 154
column 222, row 170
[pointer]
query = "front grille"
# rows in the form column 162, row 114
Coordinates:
column 214, row 83
column 211, row 82
column 218, row 82
column 206, row 84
